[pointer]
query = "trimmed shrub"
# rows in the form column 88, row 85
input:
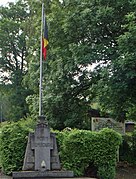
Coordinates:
column 134, row 146
column 13, row 139
column 106, row 172
column 78, row 149
column 125, row 149
column 82, row 147
column 127, row 152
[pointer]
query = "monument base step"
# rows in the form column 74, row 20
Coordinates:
column 42, row 174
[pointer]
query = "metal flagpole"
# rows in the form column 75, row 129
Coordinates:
column 40, row 85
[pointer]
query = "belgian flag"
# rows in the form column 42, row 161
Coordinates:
column 45, row 38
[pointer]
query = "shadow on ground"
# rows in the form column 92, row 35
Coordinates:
column 126, row 172
column 123, row 172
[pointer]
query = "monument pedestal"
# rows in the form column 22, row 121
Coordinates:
column 41, row 157
column 41, row 175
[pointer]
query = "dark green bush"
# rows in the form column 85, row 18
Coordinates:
column 127, row 152
column 106, row 172
column 134, row 146
column 13, row 139
column 82, row 147
column 78, row 148
column 125, row 149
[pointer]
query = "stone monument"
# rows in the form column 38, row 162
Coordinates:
column 41, row 157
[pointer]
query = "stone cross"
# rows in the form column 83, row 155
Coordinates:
column 41, row 152
column 43, row 146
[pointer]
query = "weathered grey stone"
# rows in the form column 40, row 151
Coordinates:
column 39, row 174
column 43, row 145
column 55, row 162
column 41, row 157
column 41, row 149
column 29, row 155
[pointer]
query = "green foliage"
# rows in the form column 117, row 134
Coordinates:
column 13, row 42
column 125, row 149
column 13, row 139
column 82, row 33
column 80, row 147
column 134, row 146
column 117, row 89
column 13, row 63
column 77, row 148
column 106, row 172
column 128, row 149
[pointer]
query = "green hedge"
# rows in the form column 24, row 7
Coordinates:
column 128, row 148
column 78, row 149
column 13, row 140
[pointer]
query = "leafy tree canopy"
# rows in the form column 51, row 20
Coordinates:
column 13, row 64
column 81, row 34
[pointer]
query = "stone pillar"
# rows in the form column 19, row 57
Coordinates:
column 41, row 157
column 41, row 152
column 42, row 146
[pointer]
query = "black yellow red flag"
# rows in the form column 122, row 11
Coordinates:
column 45, row 38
